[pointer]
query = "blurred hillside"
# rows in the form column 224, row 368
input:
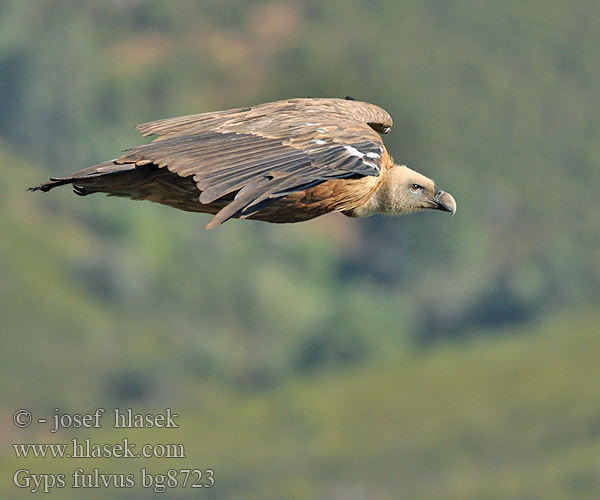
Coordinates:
column 498, row 104
column 493, row 420
column 111, row 301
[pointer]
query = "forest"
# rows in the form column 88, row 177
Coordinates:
column 425, row 356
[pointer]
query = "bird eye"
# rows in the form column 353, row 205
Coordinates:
column 415, row 187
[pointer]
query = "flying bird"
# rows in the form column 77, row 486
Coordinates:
column 284, row 161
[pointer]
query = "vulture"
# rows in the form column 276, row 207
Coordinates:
column 284, row 161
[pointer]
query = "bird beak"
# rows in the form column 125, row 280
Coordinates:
column 445, row 201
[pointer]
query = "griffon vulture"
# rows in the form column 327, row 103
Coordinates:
column 284, row 161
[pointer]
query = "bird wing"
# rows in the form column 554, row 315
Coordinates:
column 268, row 151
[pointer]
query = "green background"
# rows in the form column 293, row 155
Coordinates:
column 416, row 357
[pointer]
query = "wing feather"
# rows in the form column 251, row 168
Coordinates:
column 268, row 151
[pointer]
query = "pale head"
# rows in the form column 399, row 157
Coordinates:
column 404, row 191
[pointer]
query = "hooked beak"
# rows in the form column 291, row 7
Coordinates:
column 445, row 202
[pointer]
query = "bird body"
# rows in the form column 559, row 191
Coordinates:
column 285, row 161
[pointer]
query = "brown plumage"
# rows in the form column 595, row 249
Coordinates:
column 284, row 161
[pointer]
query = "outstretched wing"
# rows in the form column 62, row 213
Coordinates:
column 268, row 151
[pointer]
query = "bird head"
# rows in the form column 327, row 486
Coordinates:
column 408, row 191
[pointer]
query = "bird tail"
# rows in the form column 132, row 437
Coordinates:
column 86, row 177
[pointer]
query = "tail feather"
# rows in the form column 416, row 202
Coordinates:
column 52, row 183
column 108, row 167
column 137, row 181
